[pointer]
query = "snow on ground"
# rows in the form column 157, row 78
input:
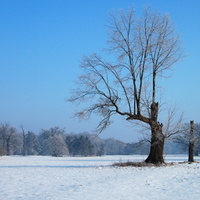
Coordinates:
column 93, row 178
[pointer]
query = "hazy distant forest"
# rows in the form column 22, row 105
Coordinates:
column 56, row 142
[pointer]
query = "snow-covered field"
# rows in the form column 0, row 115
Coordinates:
column 93, row 178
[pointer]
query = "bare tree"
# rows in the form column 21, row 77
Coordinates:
column 8, row 135
column 141, row 50
column 189, row 139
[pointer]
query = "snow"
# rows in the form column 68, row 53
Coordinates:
column 88, row 178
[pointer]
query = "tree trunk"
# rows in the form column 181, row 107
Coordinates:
column 8, row 148
column 191, row 152
column 191, row 143
column 157, row 138
column 24, row 145
column 157, row 145
column 24, row 150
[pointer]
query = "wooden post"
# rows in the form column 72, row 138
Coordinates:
column 191, row 143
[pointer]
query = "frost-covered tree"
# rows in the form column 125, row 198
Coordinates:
column 9, row 139
column 52, row 142
column 114, row 147
column 141, row 49
column 58, row 146
column 32, row 143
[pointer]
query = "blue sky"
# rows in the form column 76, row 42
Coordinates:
column 42, row 43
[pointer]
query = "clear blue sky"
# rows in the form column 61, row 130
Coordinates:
column 43, row 41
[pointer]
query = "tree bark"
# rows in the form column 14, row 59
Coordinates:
column 157, row 145
column 191, row 152
column 157, row 138
column 191, row 143
column 24, row 143
column 8, row 148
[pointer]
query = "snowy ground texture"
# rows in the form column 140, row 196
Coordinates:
column 93, row 178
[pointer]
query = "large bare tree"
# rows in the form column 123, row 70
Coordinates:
column 140, row 50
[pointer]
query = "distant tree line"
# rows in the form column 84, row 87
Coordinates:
column 56, row 142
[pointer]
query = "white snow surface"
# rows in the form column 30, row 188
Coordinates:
column 93, row 178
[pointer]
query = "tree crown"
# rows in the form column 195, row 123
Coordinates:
column 144, row 48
